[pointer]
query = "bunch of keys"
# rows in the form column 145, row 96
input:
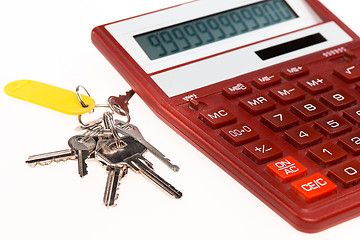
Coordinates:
column 117, row 145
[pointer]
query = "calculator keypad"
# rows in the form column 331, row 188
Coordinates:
column 310, row 113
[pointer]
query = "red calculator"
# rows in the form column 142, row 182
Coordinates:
column 267, row 89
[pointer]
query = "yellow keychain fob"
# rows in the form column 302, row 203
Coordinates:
column 49, row 96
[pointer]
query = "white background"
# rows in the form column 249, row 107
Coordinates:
column 49, row 41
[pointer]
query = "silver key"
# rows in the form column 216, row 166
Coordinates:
column 129, row 156
column 80, row 149
column 113, row 181
column 133, row 131
column 106, row 145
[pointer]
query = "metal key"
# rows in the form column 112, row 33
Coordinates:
column 133, row 131
column 115, row 174
column 80, row 149
column 106, row 145
column 122, row 100
column 130, row 155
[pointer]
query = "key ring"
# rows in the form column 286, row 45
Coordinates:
column 83, row 104
column 117, row 109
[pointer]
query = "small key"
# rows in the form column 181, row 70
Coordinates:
column 113, row 181
column 83, row 147
column 129, row 155
column 106, row 146
column 122, row 101
column 133, row 131
column 80, row 149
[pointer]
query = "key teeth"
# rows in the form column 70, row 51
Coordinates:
column 47, row 162
column 83, row 172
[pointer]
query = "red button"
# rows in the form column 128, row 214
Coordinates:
column 348, row 73
column 338, row 99
column 239, row 134
column 309, row 109
column 314, row 187
column 351, row 142
column 237, row 90
column 348, row 173
column 262, row 151
column 315, row 85
column 332, row 126
column 303, row 136
column 279, row 120
column 217, row 117
column 286, row 94
column 353, row 115
column 295, row 71
column 266, row 81
column 257, row 104
column 286, row 169
column 327, row 154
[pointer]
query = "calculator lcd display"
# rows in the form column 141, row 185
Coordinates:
column 213, row 28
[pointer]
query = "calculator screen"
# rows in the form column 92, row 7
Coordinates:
column 213, row 28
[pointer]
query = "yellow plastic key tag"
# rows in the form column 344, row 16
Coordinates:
column 48, row 96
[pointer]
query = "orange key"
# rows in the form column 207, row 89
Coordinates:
column 286, row 169
column 314, row 187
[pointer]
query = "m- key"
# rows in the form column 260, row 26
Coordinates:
column 81, row 147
